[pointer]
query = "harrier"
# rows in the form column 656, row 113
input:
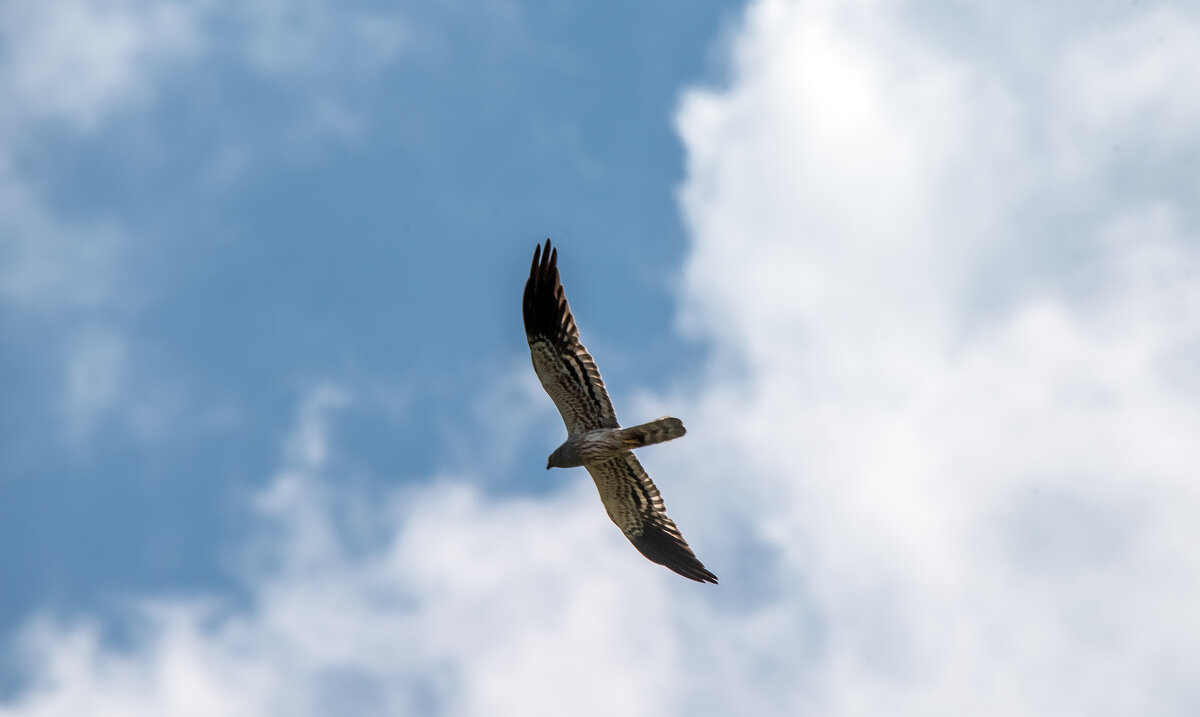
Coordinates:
column 594, row 438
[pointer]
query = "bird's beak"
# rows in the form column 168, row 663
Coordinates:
column 547, row 464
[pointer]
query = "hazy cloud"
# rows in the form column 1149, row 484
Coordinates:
column 68, row 71
column 79, row 60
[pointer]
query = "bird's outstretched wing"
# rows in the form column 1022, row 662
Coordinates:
column 634, row 504
column 563, row 365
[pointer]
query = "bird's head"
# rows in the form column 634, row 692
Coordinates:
column 563, row 457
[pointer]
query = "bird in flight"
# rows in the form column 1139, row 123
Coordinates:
column 594, row 438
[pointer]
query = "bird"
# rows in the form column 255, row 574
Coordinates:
column 595, row 440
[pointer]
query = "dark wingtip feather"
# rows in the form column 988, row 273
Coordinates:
column 537, row 256
column 543, row 304
column 665, row 549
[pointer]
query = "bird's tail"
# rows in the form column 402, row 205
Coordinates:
column 656, row 431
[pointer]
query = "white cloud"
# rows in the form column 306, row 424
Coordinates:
column 944, row 460
column 965, row 389
column 430, row 600
column 82, row 61
column 79, row 60
column 79, row 65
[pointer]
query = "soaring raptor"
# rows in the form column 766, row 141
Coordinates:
column 594, row 438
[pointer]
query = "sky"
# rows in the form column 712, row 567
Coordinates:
column 922, row 280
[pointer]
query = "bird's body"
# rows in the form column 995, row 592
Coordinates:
column 595, row 440
column 601, row 444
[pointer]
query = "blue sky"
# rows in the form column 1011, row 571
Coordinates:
column 249, row 246
column 923, row 280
